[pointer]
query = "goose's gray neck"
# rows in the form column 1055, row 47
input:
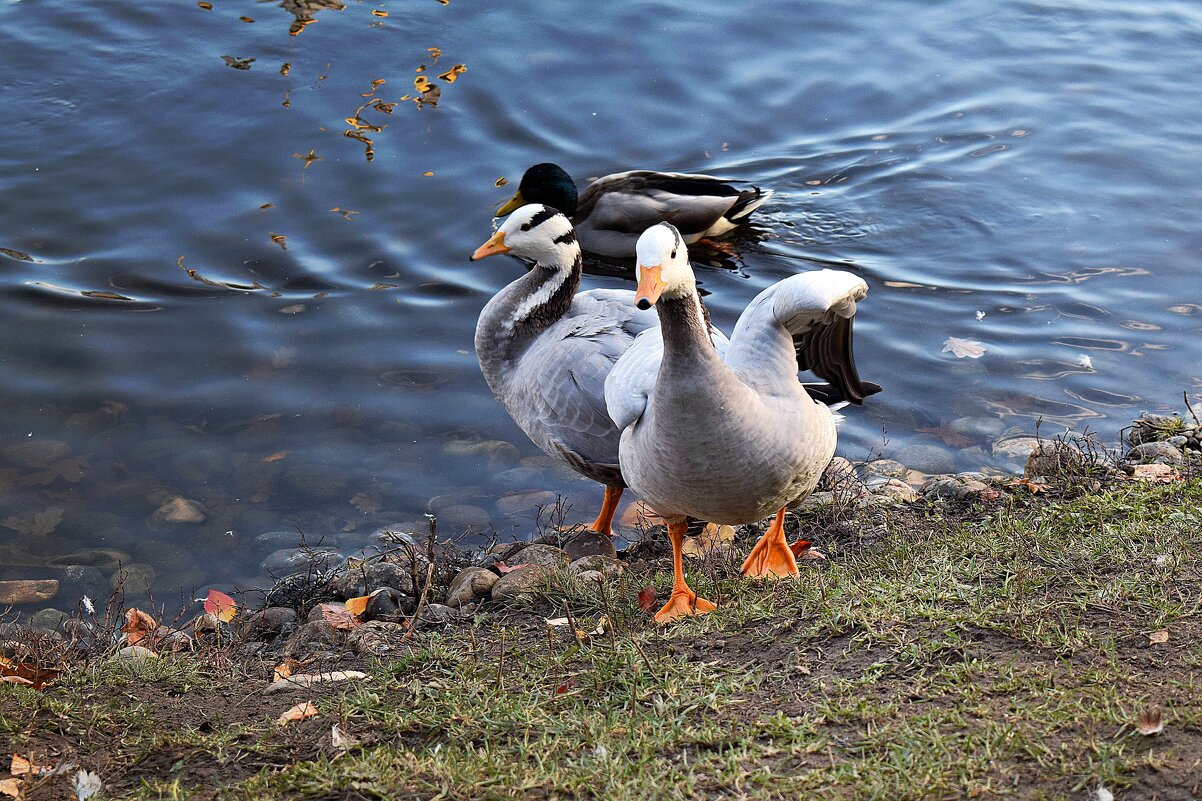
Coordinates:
column 520, row 312
column 686, row 331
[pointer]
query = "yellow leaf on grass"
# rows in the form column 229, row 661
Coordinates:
column 298, row 712
column 1158, row 637
column 221, row 606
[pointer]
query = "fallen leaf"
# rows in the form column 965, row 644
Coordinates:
column 280, row 240
column 963, row 348
column 24, row 767
column 711, row 538
column 800, row 547
column 1155, row 473
column 220, row 606
column 309, row 157
column 285, row 669
column 340, row 740
column 428, row 173
column 246, row 19
column 207, row 6
column 647, row 598
column 298, row 681
column 339, row 617
column 1159, row 637
column 1150, row 722
column 16, row 254
column 357, row 606
column 276, row 457
column 563, row 688
column 87, row 785
column 559, row 621
column 949, row 436
column 811, row 554
column 451, row 75
column 602, row 624
column 70, row 470
column 138, row 626
column 237, row 63
column 24, row 682
column 1029, row 484
column 298, row 712
column 38, row 524
column 10, row 787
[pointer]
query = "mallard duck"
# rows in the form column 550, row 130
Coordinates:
column 545, row 349
column 613, row 211
column 731, row 435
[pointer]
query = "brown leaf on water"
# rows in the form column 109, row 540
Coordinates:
column 435, row 53
column 280, row 240
column 246, row 19
column 428, row 91
column 16, row 254
column 451, row 75
column 139, row 627
column 341, row 618
column 647, row 598
column 1159, row 637
column 949, row 437
column 298, row 712
column 346, row 213
column 237, row 63
column 378, row 13
column 207, row 6
column 37, row 524
column 70, row 470
column 286, row 68
column 963, row 348
column 501, row 181
column 367, row 503
column 308, row 158
column 276, row 457
column 428, row 173
column 1150, row 722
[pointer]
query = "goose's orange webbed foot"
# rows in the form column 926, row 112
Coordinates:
column 772, row 558
column 683, row 603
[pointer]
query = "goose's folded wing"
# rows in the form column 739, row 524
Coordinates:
column 816, row 310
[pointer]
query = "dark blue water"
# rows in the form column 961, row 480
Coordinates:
column 190, row 307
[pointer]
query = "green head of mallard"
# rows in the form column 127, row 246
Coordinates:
column 543, row 183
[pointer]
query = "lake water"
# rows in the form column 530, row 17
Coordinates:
column 210, row 291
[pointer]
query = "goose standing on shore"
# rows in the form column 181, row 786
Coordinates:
column 611, row 213
column 545, row 349
column 731, row 435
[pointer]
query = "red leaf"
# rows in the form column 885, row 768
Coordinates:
column 138, row 626
column 220, row 606
column 647, row 598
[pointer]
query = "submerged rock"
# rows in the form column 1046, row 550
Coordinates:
column 292, row 560
column 179, row 510
column 27, row 591
column 928, row 458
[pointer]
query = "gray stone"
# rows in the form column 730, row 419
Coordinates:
column 135, row 579
column 1154, row 453
column 270, row 541
column 438, row 615
column 517, row 582
column 927, row 458
column 589, row 543
column 365, row 578
column 48, row 619
column 464, row 515
column 591, row 577
column 311, row 636
column 607, row 566
column 266, row 623
column 543, row 555
column 376, row 638
column 397, row 535
column 1053, row 459
column 1016, row 448
column 136, row 653
column 76, row 581
column 985, row 427
column 294, row 560
column 951, row 488
column 887, row 468
column 35, row 452
column 471, row 583
column 896, row 490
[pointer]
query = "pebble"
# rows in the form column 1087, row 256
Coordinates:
column 292, row 560
column 519, row 581
column 179, row 510
column 606, row 566
column 1154, row 453
column 542, row 555
column 136, row 653
column 76, row 581
column 1016, row 448
column 362, row 579
column 956, row 488
column 895, row 489
column 1053, row 459
column 887, row 468
column 376, row 638
column 987, row 427
column 438, row 615
column 48, row 619
column 309, row 637
column 266, row 623
column 270, row 541
column 928, row 458
column 27, row 591
column 589, row 543
column 471, row 583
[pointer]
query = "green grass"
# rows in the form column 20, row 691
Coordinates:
column 998, row 657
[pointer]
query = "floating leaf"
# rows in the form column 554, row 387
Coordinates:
column 963, row 348
column 367, row 503
column 378, row 13
column 1158, row 637
column 1150, row 722
column 298, row 712
column 339, row 617
column 309, row 157
column 949, row 436
column 435, row 53
column 428, row 173
column 87, row 785
column 286, row 68
column 138, row 626
column 501, row 181
column 70, row 470
column 16, row 254
column 207, row 6
column 37, row 524
column 280, row 240
column 237, row 63
column 220, row 606
column 246, row 19
column 451, row 75
column 647, row 598
column 346, row 213
column 275, row 457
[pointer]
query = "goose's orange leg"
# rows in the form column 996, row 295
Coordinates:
column 772, row 557
column 605, row 520
column 684, row 601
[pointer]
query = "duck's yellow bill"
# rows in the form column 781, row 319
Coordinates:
column 651, row 286
column 494, row 245
column 510, row 206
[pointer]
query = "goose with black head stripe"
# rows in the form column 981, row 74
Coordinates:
column 730, row 434
column 545, row 349
column 611, row 212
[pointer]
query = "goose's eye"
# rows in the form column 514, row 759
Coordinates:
column 526, row 227
column 673, row 252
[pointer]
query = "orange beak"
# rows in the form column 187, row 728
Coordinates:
column 494, row 245
column 651, row 286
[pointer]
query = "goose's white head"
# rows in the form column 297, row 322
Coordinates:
column 663, row 266
column 535, row 232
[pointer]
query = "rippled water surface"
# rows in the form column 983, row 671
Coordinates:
column 235, row 272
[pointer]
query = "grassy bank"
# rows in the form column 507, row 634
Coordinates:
column 1004, row 651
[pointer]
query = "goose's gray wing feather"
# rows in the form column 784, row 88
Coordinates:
column 557, row 392
column 810, row 317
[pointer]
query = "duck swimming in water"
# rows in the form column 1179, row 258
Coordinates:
column 613, row 211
